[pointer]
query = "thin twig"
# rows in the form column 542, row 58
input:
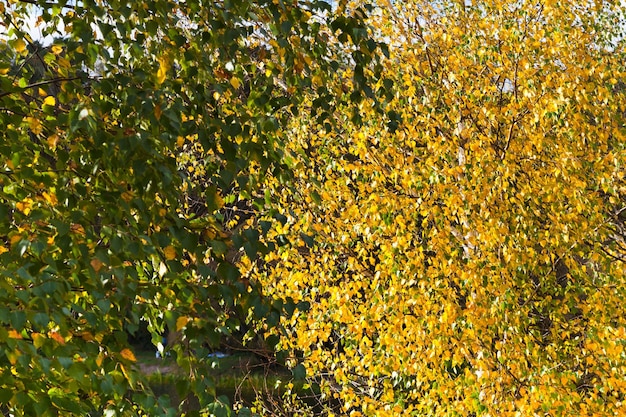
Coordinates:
column 40, row 83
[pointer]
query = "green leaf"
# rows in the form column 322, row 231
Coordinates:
column 5, row 395
column 299, row 372
column 228, row 271
column 244, row 412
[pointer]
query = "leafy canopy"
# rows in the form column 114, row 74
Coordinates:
column 466, row 257
column 127, row 138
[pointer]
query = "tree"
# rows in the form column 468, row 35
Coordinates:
column 103, row 223
column 466, row 257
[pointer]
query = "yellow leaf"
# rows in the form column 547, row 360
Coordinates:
column 317, row 80
column 24, row 206
column 126, row 374
column 181, row 322
column 56, row 49
column 235, row 82
column 57, row 337
column 14, row 334
column 15, row 238
column 209, row 233
column 158, row 112
column 19, row 45
column 170, row 253
column 77, row 228
column 50, row 198
column 38, row 339
column 128, row 355
column 127, row 196
column 52, row 141
column 87, row 336
column 64, row 63
column 49, row 101
column 34, row 124
column 164, row 63
column 3, row 250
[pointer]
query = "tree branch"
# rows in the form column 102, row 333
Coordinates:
column 36, row 3
column 40, row 83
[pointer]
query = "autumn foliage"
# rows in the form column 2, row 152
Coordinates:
column 466, row 257
column 417, row 206
column 134, row 137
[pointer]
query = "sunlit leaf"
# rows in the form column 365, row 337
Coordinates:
column 128, row 355
column 169, row 252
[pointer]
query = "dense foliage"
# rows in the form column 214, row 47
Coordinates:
column 418, row 205
column 467, row 258
column 134, row 138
